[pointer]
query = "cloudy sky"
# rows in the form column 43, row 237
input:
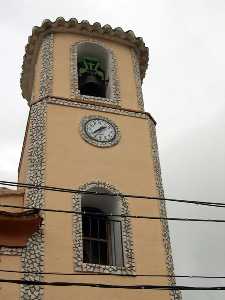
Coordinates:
column 184, row 90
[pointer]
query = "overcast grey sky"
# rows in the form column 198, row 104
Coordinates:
column 184, row 90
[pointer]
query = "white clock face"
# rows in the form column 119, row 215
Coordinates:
column 99, row 131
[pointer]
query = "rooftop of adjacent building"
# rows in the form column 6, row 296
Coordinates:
column 16, row 224
column 5, row 191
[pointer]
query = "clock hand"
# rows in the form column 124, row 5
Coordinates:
column 99, row 129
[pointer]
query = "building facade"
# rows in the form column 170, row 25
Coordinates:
column 87, row 131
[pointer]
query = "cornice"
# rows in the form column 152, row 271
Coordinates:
column 74, row 102
column 95, row 30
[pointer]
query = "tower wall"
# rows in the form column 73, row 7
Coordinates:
column 132, row 171
column 56, row 154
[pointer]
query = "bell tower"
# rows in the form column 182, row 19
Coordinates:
column 88, row 131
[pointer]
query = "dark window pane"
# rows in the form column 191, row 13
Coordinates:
column 86, row 251
column 102, row 229
column 102, row 239
column 95, row 253
column 86, row 225
column 94, row 228
column 103, row 253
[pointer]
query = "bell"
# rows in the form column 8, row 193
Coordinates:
column 90, row 84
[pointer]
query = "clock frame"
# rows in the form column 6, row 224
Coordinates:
column 91, row 139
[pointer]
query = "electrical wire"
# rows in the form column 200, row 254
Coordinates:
column 68, row 190
column 112, row 286
column 117, row 215
column 149, row 287
column 114, row 275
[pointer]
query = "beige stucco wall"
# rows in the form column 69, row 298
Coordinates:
column 89, row 293
column 24, row 161
column 9, row 291
column 36, row 79
column 128, row 166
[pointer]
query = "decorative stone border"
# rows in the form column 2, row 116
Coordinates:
column 46, row 73
column 128, row 252
column 32, row 258
column 91, row 141
column 175, row 295
column 115, row 89
column 52, row 100
column 137, row 75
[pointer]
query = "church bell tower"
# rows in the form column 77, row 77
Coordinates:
column 88, row 130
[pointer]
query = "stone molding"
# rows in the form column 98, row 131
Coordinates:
column 175, row 295
column 71, row 103
column 46, row 73
column 115, row 98
column 32, row 256
column 128, row 252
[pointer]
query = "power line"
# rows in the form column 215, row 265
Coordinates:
column 116, row 215
column 68, row 190
column 112, row 286
column 115, row 275
column 149, row 287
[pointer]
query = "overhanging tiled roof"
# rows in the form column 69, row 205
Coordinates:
column 73, row 26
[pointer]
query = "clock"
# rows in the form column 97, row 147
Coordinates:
column 99, row 131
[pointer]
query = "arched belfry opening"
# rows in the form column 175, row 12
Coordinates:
column 101, row 229
column 93, row 70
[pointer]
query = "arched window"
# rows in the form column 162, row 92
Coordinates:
column 101, row 233
column 102, row 237
column 94, row 72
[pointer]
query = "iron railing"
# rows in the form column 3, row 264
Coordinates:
column 102, row 241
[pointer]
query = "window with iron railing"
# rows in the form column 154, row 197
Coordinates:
column 102, row 238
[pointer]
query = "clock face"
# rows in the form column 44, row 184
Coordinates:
column 99, row 131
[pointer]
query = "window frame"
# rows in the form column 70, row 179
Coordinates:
column 88, row 219
column 126, row 236
column 113, row 75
